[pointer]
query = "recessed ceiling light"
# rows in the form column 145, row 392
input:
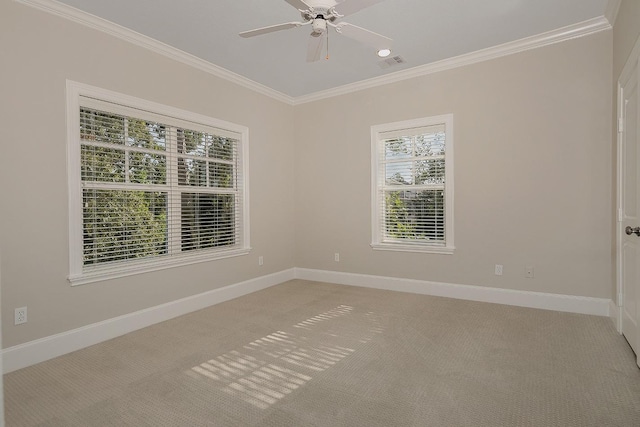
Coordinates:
column 383, row 53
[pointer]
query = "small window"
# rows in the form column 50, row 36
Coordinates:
column 412, row 185
column 151, row 186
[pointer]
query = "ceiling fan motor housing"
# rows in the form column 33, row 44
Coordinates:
column 319, row 12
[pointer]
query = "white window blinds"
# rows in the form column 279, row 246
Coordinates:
column 412, row 188
column 156, row 191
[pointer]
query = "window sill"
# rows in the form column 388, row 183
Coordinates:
column 98, row 274
column 443, row 250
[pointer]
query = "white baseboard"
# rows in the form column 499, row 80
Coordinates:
column 566, row 303
column 30, row 353
column 615, row 315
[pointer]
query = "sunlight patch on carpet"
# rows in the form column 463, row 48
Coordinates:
column 266, row 370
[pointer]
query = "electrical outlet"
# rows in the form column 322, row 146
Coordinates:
column 20, row 316
column 498, row 269
column 336, row 257
column 260, row 260
column 528, row 272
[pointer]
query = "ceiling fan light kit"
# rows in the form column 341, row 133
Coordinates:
column 319, row 26
column 322, row 13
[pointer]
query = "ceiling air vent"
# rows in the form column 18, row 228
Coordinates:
column 389, row 62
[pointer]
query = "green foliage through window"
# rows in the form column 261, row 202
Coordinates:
column 136, row 205
column 414, row 179
column 120, row 225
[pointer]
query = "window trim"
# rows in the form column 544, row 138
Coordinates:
column 77, row 276
column 377, row 182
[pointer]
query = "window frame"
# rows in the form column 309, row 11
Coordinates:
column 80, row 274
column 378, row 182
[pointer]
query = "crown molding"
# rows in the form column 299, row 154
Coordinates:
column 71, row 13
column 581, row 29
column 562, row 34
column 611, row 13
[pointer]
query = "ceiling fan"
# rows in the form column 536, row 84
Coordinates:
column 321, row 14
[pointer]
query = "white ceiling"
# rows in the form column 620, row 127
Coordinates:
column 423, row 32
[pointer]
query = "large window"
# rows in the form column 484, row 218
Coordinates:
column 412, row 185
column 151, row 186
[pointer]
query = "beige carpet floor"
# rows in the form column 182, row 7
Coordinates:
column 316, row 354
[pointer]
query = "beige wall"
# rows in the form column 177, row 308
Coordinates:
column 532, row 172
column 625, row 34
column 39, row 52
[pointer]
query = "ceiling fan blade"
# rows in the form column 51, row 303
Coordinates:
column 270, row 29
column 298, row 4
column 316, row 46
column 364, row 36
column 347, row 7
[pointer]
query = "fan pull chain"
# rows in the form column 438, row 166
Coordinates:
column 327, row 57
